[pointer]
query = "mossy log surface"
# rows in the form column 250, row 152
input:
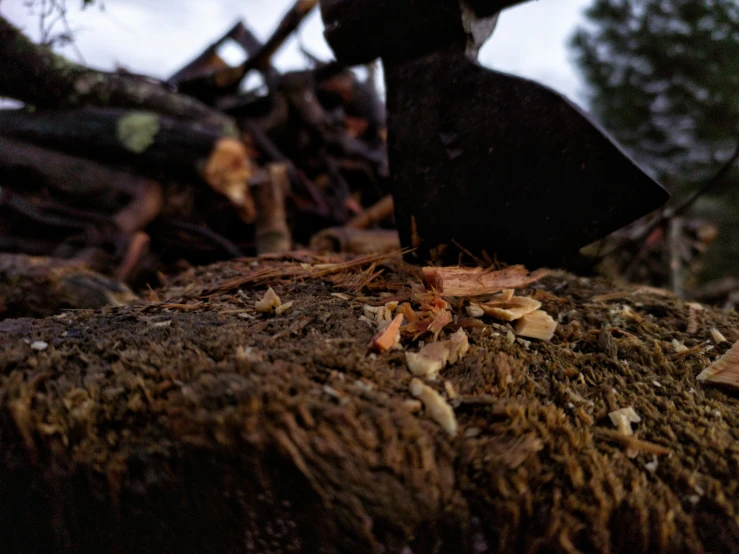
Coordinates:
column 37, row 286
column 194, row 424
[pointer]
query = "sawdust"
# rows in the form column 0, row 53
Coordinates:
column 219, row 429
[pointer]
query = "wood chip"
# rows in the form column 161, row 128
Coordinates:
column 440, row 321
column 380, row 313
column 475, row 281
column 623, row 419
column 536, row 325
column 269, row 302
column 406, row 309
column 389, row 337
column 433, row 357
column 511, row 309
column 717, row 337
column 725, row 370
column 428, row 361
column 437, row 408
column 283, row 308
column 459, row 345
column 474, row 310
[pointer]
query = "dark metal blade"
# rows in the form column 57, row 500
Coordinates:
column 502, row 164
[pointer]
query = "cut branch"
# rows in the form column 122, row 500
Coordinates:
column 228, row 79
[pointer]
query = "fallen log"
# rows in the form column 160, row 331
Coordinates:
column 35, row 75
column 89, row 182
column 42, row 286
column 153, row 144
column 195, row 426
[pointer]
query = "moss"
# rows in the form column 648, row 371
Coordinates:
column 193, row 447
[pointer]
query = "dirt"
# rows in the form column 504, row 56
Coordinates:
column 190, row 423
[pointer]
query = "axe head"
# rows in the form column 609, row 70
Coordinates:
column 499, row 164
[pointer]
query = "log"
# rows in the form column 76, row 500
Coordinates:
column 42, row 286
column 151, row 143
column 92, row 184
column 35, row 75
column 195, row 425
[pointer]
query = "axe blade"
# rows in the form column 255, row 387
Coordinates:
column 501, row 164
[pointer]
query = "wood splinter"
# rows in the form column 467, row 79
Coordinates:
column 476, row 281
column 437, row 408
column 724, row 371
column 509, row 307
column 389, row 337
column 536, row 325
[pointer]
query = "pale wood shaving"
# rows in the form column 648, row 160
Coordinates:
column 512, row 309
column 678, row 346
column 436, row 407
column 459, row 345
column 623, row 419
column 269, row 302
column 717, row 336
column 380, row 313
column 474, row 310
column 536, row 325
column 725, row 370
column 283, row 308
column 433, row 357
column 428, row 361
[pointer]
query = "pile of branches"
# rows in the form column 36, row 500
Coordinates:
column 136, row 177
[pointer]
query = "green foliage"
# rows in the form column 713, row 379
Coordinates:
column 664, row 80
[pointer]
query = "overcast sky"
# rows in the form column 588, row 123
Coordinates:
column 156, row 37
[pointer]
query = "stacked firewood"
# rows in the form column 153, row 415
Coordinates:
column 136, row 177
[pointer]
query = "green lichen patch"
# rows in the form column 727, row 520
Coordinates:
column 136, row 131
